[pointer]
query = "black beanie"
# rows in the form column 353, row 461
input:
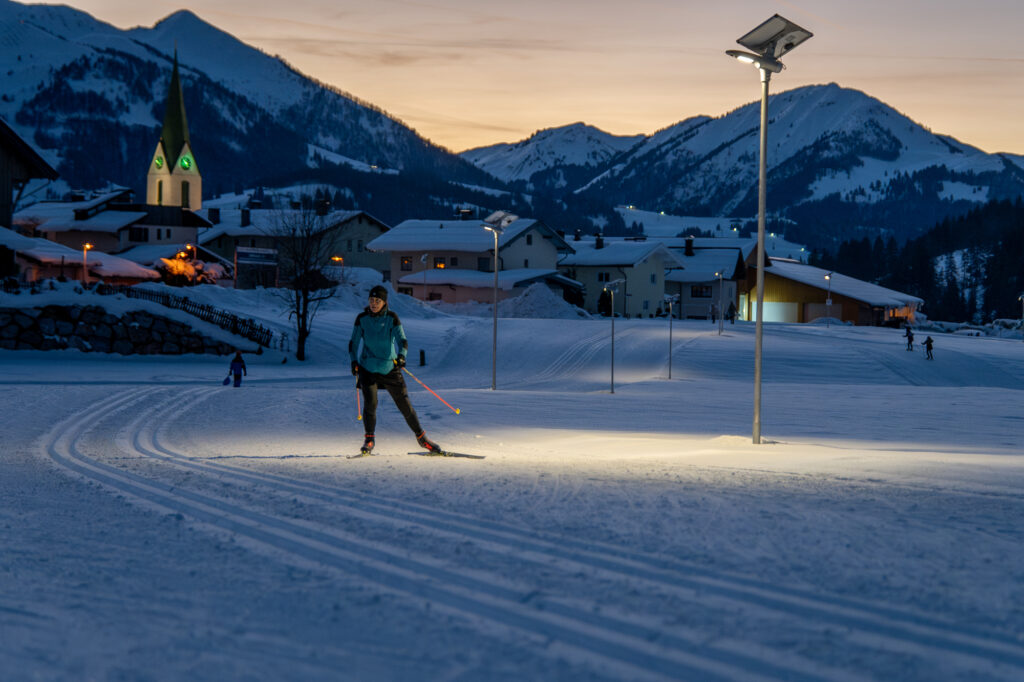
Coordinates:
column 379, row 292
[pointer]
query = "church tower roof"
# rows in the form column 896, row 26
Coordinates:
column 175, row 132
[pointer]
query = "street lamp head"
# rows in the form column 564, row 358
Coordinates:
column 761, row 62
column 87, row 246
column 828, row 276
column 774, row 38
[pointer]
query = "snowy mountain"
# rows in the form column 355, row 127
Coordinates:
column 91, row 96
column 842, row 165
column 558, row 152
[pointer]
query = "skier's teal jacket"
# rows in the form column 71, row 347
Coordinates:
column 383, row 340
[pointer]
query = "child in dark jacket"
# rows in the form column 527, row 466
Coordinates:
column 238, row 368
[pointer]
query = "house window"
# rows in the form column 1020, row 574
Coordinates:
column 526, row 262
column 647, row 305
column 184, row 195
column 483, row 264
column 138, row 234
column 159, row 192
column 252, row 242
column 439, row 262
column 405, row 265
column 700, row 291
column 433, row 296
column 529, row 239
column 454, row 261
column 604, row 277
column 654, row 278
column 405, row 290
column 359, row 245
column 349, row 245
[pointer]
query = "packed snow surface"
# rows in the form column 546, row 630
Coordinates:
column 155, row 524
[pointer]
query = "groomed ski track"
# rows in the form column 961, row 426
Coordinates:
column 319, row 525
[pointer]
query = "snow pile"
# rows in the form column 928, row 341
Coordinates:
column 538, row 301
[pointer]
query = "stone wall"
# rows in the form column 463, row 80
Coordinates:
column 93, row 329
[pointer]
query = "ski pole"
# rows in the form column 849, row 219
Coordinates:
column 453, row 409
column 359, row 406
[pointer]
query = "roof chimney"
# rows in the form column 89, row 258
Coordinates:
column 689, row 246
column 599, row 243
column 213, row 215
column 246, row 218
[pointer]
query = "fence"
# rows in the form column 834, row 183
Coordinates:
column 244, row 327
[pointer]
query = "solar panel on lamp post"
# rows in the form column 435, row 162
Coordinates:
column 767, row 43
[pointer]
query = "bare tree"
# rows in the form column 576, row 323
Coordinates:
column 305, row 246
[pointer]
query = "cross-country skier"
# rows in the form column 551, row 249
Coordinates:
column 910, row 339
column 380, row 363
column 928, row 348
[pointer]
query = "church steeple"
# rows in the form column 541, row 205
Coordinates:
column 174, row 178
column 175, row 133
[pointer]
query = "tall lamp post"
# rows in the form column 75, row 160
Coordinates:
column 86, row 247
column 1021, row 299
column 195, row 256
column 721, row 312
column 767, row 43
column 828, row 301
column 610, row 287
column 670, row 299
column 496, row 229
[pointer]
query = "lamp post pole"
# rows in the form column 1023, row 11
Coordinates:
column 1021, row 299
column 828, row 302
column 85, row 257
column 611, row 292
column 721, row 311
column 671, row 300
column 762, row 197
column 494, row 340
column 496, row 229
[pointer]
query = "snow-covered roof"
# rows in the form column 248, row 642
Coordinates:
column 451, row 235
column 45, row 251
column 262, row 221
column 704, row 265
column 622, row 253
column 507, row 279
column 59, row 216
column 857, row 289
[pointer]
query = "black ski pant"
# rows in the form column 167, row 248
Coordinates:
column 394, row 382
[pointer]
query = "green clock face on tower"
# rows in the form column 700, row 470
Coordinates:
column 186, row 162
column 159, row 162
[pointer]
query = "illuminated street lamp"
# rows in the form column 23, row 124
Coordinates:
column 767, row 43
column 86, row 247
column 610, row 288
column 496, row 229
column 195, row 257
column 670, row 299
column 721, row 313
column 828, row 301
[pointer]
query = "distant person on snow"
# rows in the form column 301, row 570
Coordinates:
column 731, row 313
column 380, row 363
column 910, row 339
column 238, row 368
column 928, row 348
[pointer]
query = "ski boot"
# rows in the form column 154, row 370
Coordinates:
column 430, row 446
column 367, row 445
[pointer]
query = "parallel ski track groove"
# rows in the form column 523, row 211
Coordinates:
column 640, row 649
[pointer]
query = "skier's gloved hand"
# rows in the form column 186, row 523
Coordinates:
column 400, row 361
column 355, row 369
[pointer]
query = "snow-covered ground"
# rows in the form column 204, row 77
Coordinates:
column 157, row 525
